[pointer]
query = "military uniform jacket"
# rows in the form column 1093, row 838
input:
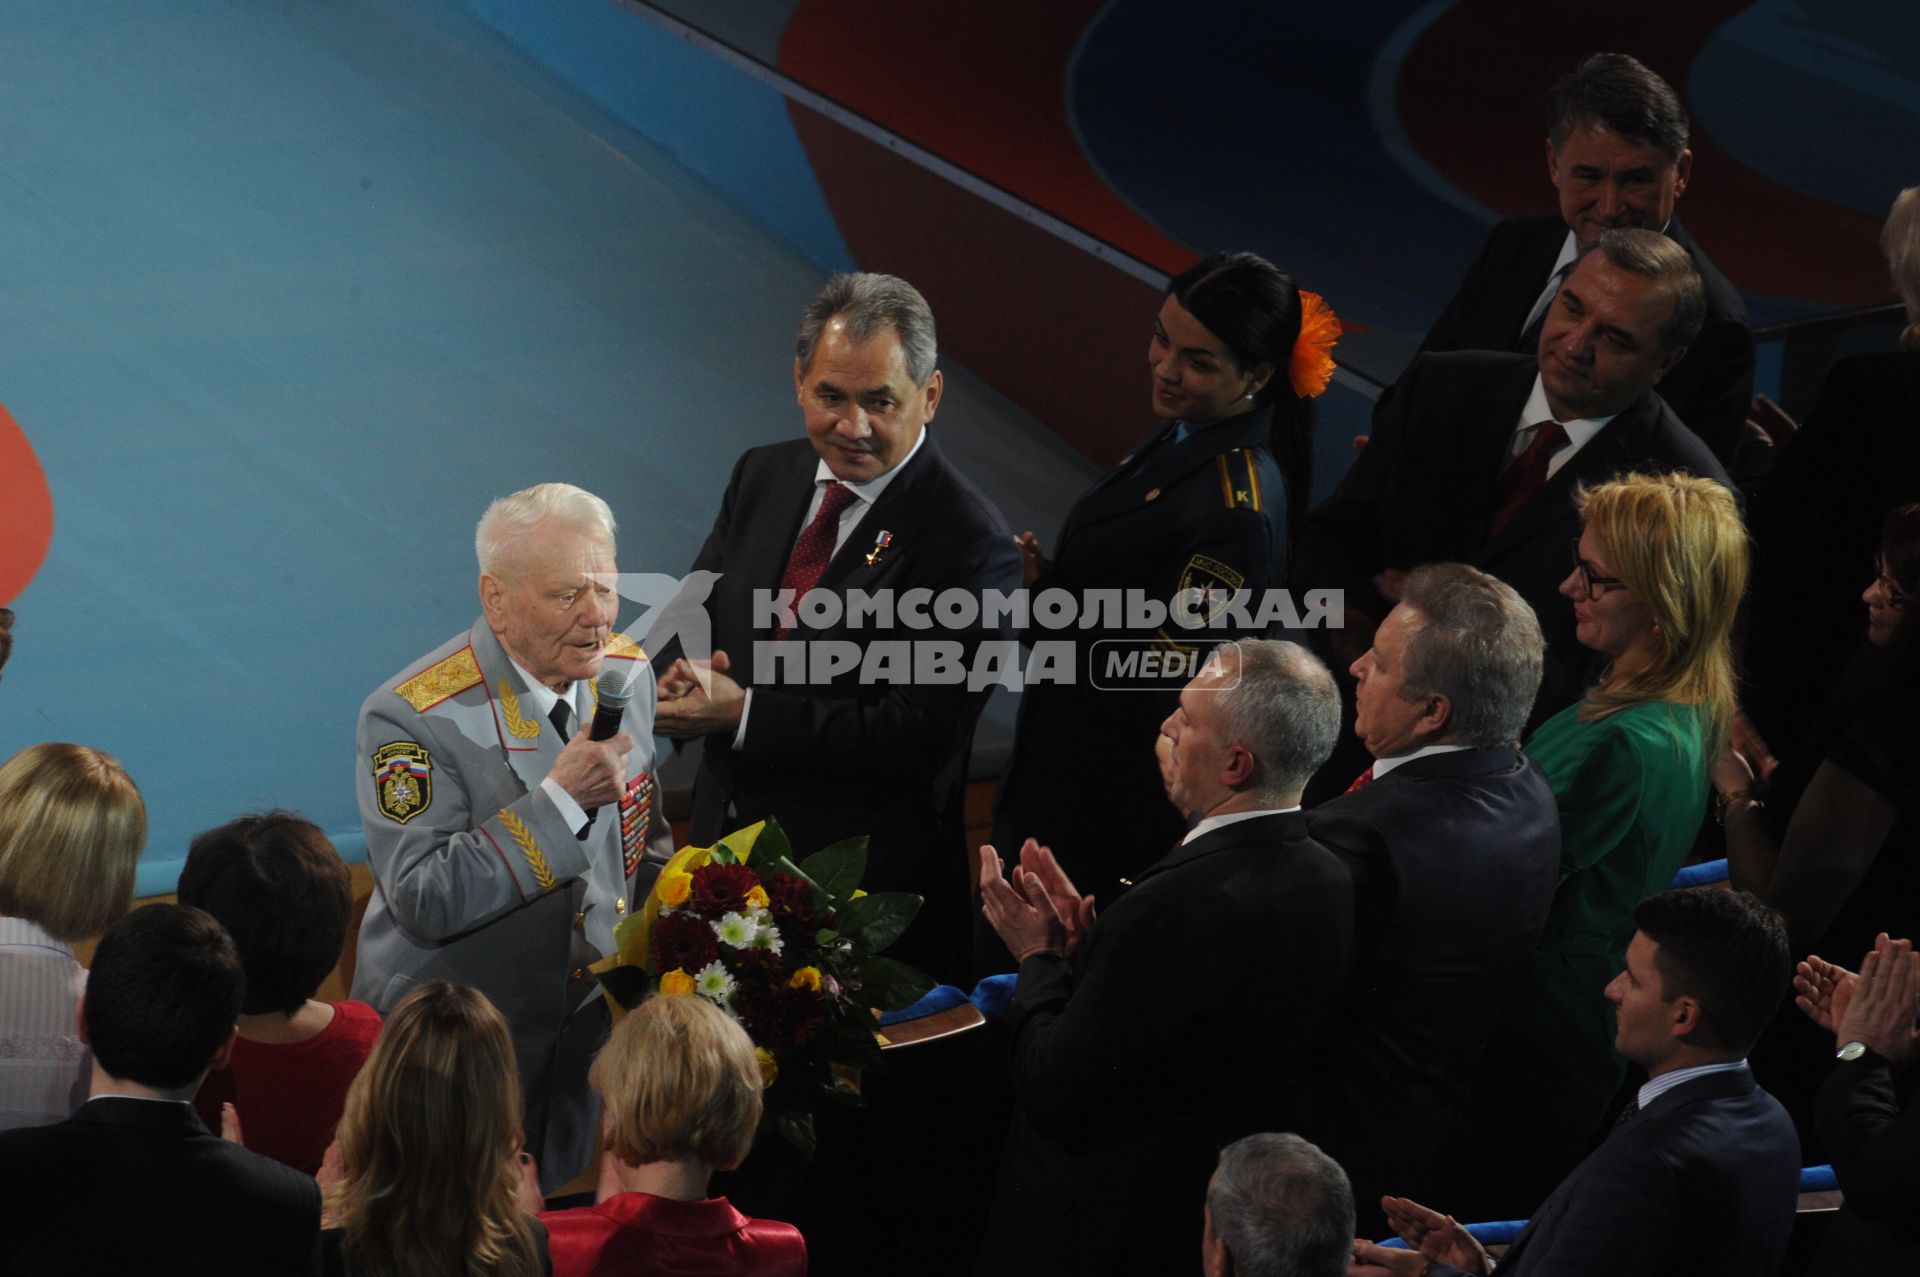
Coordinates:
column 479, row 880
column 1206, row 512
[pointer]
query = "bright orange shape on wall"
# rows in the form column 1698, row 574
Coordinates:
column 26, row 510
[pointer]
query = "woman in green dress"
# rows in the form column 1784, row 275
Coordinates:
column 1657, row 576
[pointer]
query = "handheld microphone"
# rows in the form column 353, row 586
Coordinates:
column 614, row 694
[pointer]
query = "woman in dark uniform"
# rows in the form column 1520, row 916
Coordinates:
column 1205, row 505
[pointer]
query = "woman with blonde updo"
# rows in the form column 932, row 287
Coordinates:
column 427, row 1179
column 71, row 829
column 680, row 1099
column 1656, row 580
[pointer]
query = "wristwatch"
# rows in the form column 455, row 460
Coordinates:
column 1851, row 1051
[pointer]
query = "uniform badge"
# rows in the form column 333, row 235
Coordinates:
column 402, row 780
column 636, row 812
column 1207, row 587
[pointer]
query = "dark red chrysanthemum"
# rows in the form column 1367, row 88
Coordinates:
column 777, row 1016
column 791, row 897
column 756, row 966
column 683, row 941
column 719, row 889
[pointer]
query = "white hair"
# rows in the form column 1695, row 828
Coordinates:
column 511, row 517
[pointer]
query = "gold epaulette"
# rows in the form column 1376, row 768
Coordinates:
column 619, row 645
column 1239, row 480
column 444, row 678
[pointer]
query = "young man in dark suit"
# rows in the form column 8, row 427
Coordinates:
column 865, row 503
column 1701, row 1175
column 1453, row 841
column 132, row 1182
column 1183, row 1018
column 1617, row 157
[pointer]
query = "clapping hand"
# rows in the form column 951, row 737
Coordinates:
column 1880, row 1012
column 1822, row 990
column 1432, row 1238
column 698, row 698
column 1034, row 908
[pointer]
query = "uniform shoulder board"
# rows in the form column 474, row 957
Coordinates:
column 447, row 677
column 624, row 648
column 1239, row 480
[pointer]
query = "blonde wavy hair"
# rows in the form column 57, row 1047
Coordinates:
column 429, row 1146
column 71, row 828
column 678, row 1081
column 1678, row 544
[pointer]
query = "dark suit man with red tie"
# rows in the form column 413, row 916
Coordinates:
column 1617, row 157
column 1476, row 457
column 864, row 503
column 1453, row 841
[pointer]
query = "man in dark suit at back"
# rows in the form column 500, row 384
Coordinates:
column 864, row 507
column 1476, row 457
column 132, row 1182
column 1617, row 157
column 1453, row 841
column 1185, row 1017
column 1701, row 1176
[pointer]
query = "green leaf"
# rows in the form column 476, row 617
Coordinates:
column 837, row 870
column 876, row 921
column 825, row 936
column 888, row 985
column 628, row 985
column 772, row 845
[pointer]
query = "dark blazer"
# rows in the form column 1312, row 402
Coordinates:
column 1210, row 509
column 1701, row 1183
column 1710, row 389
column 1178, row 1026
column 1454, row 859
column 140, row 1187
column 838, row 758
column 1872, row 1132
column 1422, row 490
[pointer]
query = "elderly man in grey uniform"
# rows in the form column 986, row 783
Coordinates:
column 505, row 845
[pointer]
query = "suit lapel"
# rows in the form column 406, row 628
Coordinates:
column 1484, row 449
column 1617, row 447
column 1271, row 828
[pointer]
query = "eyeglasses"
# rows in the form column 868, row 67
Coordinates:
column 1896, row 597
column 1595, row 584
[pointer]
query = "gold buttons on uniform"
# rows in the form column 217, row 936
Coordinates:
column 620, row 905
column 579, row 922
column 1153, row 495
column 579, row 974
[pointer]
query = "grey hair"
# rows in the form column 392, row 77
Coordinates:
column 1900, row 241
column 1286, row 710
column 1282, row 1207
column 1651, row 255
column 511, row 517
column 870, row 305
column 1480, row 647
column 1622, row 95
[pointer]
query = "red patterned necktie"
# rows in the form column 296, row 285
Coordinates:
column 1523, row 478
column 815, row 547
column 1360, row 782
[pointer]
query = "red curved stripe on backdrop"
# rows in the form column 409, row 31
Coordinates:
column 26, row 510
column 982, row 84
column 1469, row 98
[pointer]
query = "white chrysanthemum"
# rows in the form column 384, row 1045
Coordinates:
column 714, row 983
column 735, row 929
column 768, row 936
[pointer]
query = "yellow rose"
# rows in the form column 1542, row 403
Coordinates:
column 757, row 898
column 676, row 984
column 675, row 888
column 805, row 978
column 769, row 1067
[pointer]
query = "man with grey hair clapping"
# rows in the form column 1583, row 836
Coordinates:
column 1176, row 1022
column 1453, row 841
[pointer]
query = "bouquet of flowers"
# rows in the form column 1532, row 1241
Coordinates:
column 790, row 951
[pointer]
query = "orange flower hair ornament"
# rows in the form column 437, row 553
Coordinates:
column 1311, row 366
